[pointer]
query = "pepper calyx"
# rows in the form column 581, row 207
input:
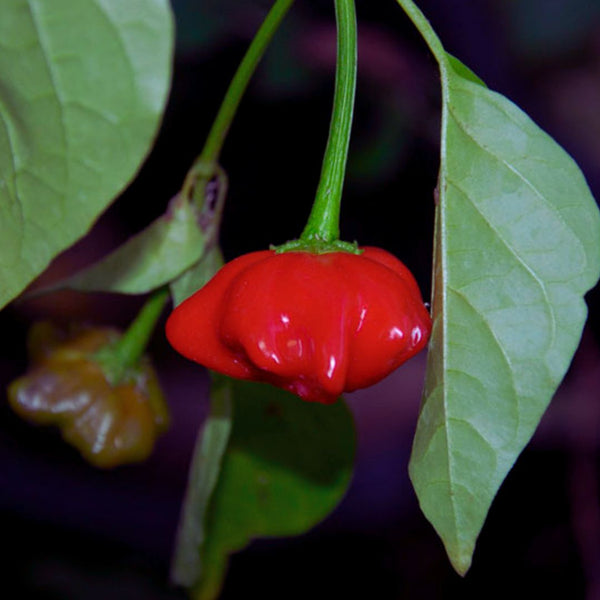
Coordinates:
column 315, row 245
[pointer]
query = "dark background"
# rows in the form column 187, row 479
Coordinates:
column 74, row 533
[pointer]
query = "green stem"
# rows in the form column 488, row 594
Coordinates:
column 323, row 222
column 216, row 136
column 119, row 358
column 424, row 27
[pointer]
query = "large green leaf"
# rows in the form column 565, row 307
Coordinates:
column 517, row 245
column 287, row 465
column 82, row 89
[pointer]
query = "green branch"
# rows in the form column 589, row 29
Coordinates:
column 216, row 137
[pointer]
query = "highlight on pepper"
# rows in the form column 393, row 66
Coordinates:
column 314, row 324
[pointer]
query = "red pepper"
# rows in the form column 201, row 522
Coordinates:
column 314, row 324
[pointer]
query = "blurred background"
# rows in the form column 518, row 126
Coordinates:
column 75, row 533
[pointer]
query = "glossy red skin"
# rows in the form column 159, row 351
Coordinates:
column 314, row 324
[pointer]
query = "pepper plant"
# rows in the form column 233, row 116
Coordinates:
column 516, row 246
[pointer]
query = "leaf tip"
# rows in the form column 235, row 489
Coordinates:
column 461, row 562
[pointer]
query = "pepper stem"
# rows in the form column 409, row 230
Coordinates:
column 206, row 164
column 323, row 222
column 118, row 359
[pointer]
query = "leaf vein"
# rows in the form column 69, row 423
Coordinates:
column 546, row 202
column 44, row 46
column 519, row 259
column 16, row 202
column 502, row 351
column 120, row 39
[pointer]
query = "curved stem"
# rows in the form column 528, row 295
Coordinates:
column 216, row 136
column 323, row 222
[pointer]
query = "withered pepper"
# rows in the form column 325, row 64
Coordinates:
column 314, row 324
column 110, row 424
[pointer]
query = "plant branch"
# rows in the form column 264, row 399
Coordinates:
column 216, row 136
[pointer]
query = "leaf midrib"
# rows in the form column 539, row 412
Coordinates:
column 443, row 295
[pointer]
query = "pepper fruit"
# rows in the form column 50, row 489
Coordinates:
column 314, row 324
column 110, row 424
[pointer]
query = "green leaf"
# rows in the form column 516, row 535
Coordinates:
column 287, row 465
column 196, row 276
column 204, row 471
column 171, row 244
column 517, row 245
column 462, row 70
column 209, row 188
column 179, row 247
column 82, row 88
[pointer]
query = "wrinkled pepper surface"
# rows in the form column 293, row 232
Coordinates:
column 110, row 424
column 314, row 324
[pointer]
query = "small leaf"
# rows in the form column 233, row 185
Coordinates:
column 463, row 71
column 160, row 253
column 196, row 276
column 210, row 192
column 82, row 89
column 287, row 466
column 179, row 247
column 517, row 245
